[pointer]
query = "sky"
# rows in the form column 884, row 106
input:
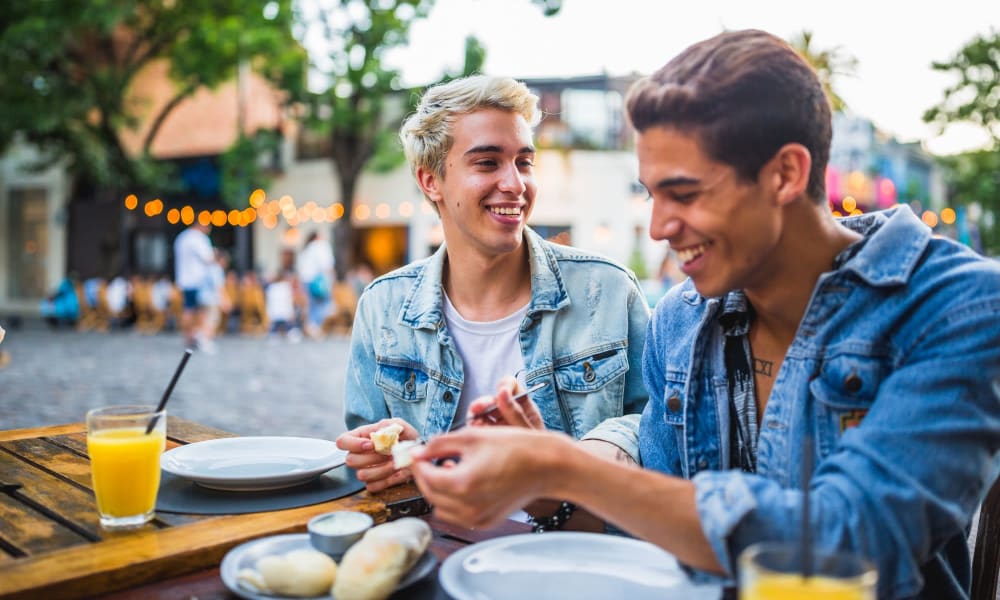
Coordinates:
column 894, row 41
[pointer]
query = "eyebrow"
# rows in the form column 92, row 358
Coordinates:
column 673, row 181
column 489, row 149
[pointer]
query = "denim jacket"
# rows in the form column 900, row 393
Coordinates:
column 583, row 330
column 890, row 372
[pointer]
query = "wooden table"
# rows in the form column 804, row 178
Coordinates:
column 52, row 545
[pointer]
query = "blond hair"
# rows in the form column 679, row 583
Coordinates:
column 426, row 134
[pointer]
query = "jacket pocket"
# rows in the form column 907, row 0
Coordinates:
column 591, row 386
column 400, row 380
column 845, row 390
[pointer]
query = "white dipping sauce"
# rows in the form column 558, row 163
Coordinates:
column 342, row 522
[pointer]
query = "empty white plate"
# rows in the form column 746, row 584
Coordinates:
column 570, row 565
column 253, row 463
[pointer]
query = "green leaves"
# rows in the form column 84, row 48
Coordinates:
column 975, row 96
column 829, row 64
column 67, row 68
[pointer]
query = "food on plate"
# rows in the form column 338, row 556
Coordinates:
column 299, row 573
column 385, row 438
column 373, row 567
column 402, row 453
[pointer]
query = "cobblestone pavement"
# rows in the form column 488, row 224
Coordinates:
column 252, row 386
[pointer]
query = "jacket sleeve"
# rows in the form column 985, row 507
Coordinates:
column 363, row 401
column 902, row 484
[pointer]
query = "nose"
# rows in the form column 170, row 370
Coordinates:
column 664, row 223
column 512, row 181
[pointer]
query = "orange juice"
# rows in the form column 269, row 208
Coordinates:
column 125, row 464
column 775, row 586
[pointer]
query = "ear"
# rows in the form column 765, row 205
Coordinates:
column 787, row 173
column 430, row 184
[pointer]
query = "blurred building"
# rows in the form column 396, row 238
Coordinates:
column 50, row 228
column 871, row 170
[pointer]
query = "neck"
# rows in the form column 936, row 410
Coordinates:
column 811, row 241
column 487, row 288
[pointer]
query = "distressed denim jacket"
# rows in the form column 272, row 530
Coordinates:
column 890, row 372
column 583, row 330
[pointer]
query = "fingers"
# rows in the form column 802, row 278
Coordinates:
column 359, row 439
column 396, row 478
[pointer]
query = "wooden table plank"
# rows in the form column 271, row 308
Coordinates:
column 52, row 457
column 35, row 432
column 31, row 532
column 50, row 494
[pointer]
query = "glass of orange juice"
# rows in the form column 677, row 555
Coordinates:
column 125, row 462
column 774, row 571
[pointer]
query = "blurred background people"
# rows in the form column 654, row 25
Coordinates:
column 193, row 255
column 315, row 269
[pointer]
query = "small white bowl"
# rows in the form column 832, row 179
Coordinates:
column 334, row 532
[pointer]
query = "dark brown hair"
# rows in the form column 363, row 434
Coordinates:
column 744, row 94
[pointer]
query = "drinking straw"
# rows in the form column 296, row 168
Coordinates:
column 807, row 467
column 170, row 388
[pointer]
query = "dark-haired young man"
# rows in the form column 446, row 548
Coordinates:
column 867, row 335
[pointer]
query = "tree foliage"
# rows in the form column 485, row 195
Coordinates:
column 829, row 64
column 975, row 97
column 67, row 69
column 974, row 177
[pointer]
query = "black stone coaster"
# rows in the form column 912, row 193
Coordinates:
column 179, row 495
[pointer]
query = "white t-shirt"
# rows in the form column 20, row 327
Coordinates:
column 314, row 260
column 192, row 256
column 280, row 300
column 489, row 350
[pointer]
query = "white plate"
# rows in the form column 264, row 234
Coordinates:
column 245, row 556
column 570, row 565
column 253, row 463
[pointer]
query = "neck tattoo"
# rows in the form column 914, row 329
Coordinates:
column 763, row 367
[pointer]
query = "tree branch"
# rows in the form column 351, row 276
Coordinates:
column 160, row 118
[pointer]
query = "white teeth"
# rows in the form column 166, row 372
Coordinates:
column 503, row 210
column 686, row 255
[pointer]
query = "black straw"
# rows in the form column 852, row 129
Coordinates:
column 807, row 467
column 167, row 392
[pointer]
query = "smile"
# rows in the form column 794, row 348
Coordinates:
column 505, row 210
column 686, row 255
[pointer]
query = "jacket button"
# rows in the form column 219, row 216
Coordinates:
column 674, row 403
column 853, row 383
column 448, row 396
column 588, row 372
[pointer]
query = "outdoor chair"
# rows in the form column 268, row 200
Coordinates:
column 986, row 558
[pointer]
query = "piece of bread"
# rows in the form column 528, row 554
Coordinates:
column 401, row 456
column 385, row 438
column 299, row 573
column 372, row 568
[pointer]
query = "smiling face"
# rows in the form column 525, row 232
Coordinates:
column 723, row 229
column 487, row 190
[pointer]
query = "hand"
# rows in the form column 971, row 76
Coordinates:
column 523, row 413
column 376, row 470
column 499, row 470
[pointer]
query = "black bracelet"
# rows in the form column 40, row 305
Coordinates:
column 556, row 521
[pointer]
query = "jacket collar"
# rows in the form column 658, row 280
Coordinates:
column 895, row 239
column 422, row 307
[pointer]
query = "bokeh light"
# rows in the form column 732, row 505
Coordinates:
column 131, row 201
column 929, row 218
column 948, row 216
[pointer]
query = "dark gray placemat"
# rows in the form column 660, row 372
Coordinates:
column 179, row 495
